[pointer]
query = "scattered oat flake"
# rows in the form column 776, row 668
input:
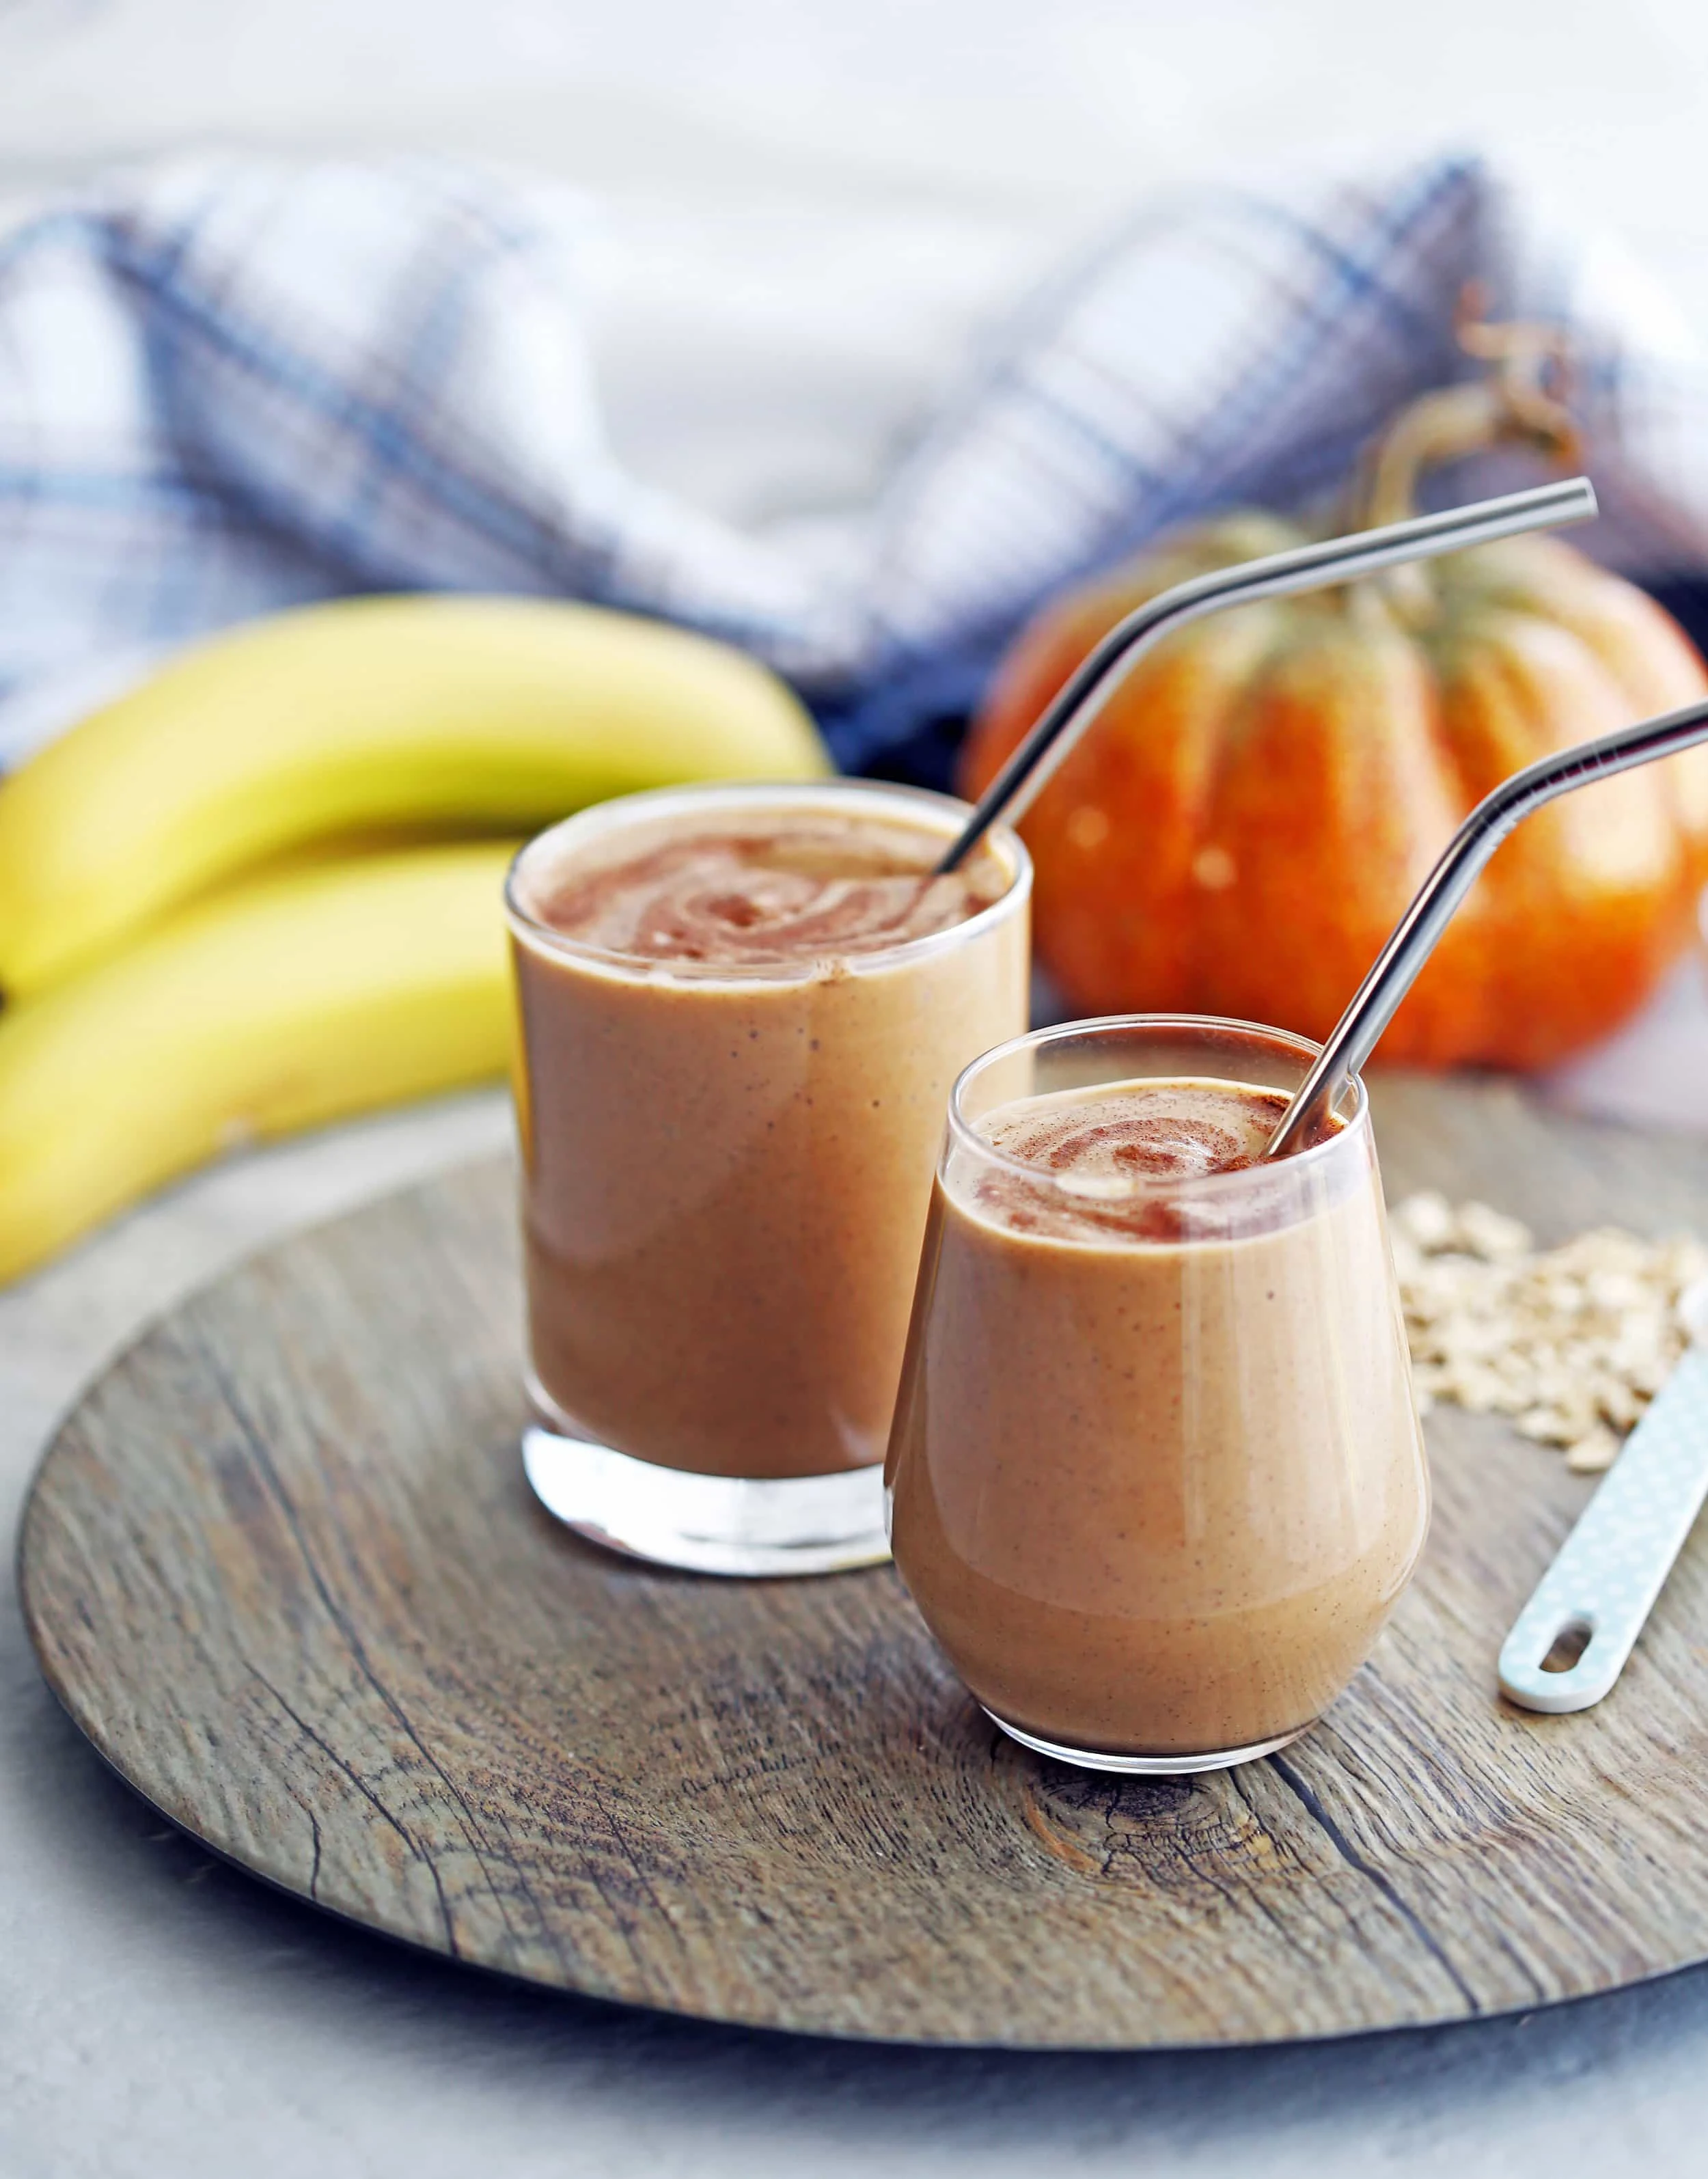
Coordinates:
column 1571, row 1343
column 1593, row 1452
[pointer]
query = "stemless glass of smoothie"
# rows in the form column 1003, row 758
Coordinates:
column 1156, row 1476
column 742, row 1010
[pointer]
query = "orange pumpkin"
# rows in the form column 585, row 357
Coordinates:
column 1240, row 829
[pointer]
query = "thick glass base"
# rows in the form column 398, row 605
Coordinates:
column 1143, row 1766
column 797, row 1524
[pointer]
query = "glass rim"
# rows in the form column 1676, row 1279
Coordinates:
column 1355, row 1124
column 611, row 815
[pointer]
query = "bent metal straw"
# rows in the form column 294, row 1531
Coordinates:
column 1414, row 939
column 1308, row 567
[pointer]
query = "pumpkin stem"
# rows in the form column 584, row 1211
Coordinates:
column 1519, row 403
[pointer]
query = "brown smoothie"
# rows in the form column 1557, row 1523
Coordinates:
column 1157, row 1480
column 742, row 1014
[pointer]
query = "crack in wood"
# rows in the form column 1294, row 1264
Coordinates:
column 1379, row 1878
column 357, row 1651
column 417, row 1851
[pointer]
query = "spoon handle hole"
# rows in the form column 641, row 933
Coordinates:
column 1566, row 1648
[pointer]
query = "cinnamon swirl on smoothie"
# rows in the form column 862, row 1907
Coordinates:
column 773, row 893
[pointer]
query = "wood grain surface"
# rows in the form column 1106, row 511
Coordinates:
column 281, row 1567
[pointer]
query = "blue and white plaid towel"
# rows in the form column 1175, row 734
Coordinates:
column 232, row 385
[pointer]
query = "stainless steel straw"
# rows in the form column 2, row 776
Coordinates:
column 1414, row 935
column 1310, row 567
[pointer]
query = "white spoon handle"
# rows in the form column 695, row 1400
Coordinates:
column 1610, row 1569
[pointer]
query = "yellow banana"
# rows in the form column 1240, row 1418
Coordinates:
column 495, row 713
column 276, row 1005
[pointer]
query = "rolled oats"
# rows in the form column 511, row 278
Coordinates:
column 1597, row 1449
column 1571, row 1342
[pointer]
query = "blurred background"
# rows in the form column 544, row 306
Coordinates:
column 801, row 211
column 844, row 342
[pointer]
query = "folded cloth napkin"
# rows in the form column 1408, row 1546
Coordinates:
column 231, row 385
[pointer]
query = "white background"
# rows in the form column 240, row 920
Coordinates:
column 808, row 202
column 804, row 210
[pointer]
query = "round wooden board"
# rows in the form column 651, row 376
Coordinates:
column 281, row 1567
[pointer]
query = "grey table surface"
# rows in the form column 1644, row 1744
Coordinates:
column 803, row 211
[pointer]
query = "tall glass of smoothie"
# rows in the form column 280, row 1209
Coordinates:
column 742, row 1010
column 1157, row 1478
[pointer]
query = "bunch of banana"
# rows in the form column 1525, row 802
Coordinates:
column 199, row 942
